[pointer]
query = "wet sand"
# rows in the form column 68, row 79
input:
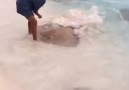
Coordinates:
column 6, row 84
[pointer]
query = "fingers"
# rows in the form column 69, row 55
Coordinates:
column 39, row 16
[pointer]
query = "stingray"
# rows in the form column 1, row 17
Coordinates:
column 125, row 13
column 58, row 35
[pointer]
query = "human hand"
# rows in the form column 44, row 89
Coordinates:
column 39, row 16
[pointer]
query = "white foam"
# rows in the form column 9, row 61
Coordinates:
column 80, row 19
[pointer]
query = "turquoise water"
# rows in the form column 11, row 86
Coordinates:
column 109, row 9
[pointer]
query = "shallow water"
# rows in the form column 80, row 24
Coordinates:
column 99, row 62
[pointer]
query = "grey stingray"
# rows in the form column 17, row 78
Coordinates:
column 58, row 35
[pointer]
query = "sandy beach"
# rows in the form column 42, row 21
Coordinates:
column 98, row 61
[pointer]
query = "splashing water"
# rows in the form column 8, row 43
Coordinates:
column 99, row 62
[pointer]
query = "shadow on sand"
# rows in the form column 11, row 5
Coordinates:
column 82, row 88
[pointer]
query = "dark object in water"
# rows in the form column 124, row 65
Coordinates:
column 125, row 13
column 58, row 35
column 82, row 88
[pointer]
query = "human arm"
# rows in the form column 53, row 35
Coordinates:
column 36, row 13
